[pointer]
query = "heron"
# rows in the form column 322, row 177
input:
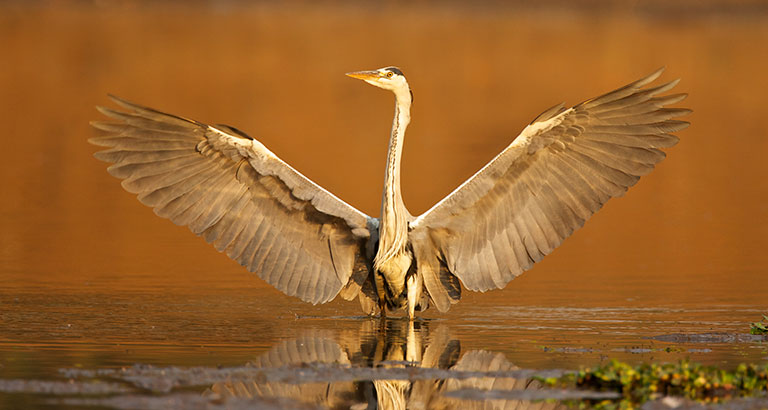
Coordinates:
column 239, row 196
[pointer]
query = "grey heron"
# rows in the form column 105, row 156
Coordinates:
column 234, row 192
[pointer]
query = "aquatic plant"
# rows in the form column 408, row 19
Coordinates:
column 638, row 384
column 759, row 328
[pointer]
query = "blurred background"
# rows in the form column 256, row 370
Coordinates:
column 692, row 234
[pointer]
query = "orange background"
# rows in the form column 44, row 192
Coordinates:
column 692, row 231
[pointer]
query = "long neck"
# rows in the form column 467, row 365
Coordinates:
column 393, row 231
column 393, row 198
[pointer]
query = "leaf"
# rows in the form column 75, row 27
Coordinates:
column 758, row 328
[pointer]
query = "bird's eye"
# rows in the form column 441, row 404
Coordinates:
column 389, row 74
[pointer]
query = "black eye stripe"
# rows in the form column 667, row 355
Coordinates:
column 394, row 70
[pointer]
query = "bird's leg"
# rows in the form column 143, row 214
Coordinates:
column 381, row 291
column 382, row 308
column 414, row 284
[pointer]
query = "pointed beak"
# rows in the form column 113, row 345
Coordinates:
column 364, row 75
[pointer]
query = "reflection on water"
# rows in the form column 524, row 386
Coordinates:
column 334, row 362
column 380, row 364
column 396, row 344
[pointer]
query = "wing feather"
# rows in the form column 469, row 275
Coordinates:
column 558, row 172
column 239, row 196
column 224, row 232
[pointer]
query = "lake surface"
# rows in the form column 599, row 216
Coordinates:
column 91, row 280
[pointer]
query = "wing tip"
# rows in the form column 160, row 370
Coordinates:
column 650, row 77
column 122, row 102
column 658, row 72
column 674, row 82
column 142, row 111
column 680, row 125
column 99, row 142
column 108, row 112
column 101, row 155
column 102, row 141
column 105, row 126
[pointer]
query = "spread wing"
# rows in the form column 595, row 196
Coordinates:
column 558, row 172
column 235, row 193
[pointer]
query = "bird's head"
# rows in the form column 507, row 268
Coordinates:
column 388, row 78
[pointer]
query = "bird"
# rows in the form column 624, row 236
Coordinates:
column 230, row 189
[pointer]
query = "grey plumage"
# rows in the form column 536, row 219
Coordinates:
column 236, row 194
column 545, row 185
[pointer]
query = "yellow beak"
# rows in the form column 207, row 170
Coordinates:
column 364, row 75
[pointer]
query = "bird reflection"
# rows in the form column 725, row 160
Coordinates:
column 393, row 344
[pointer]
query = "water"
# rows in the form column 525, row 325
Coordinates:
column 91, row 280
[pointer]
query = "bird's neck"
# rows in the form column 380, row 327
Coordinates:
column 393, row 230
column 392, row 195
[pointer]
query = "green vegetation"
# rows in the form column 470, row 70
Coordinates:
column 759, row 328
column 638, row 384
